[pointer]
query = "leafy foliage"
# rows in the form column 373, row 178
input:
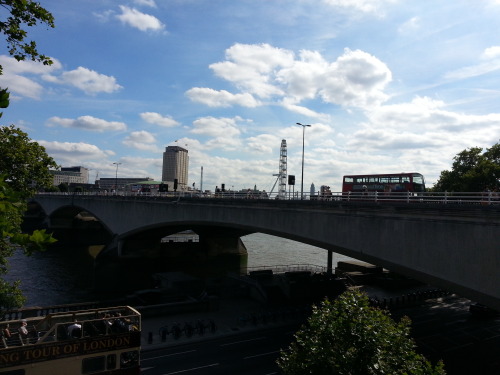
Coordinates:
column 24, row 163
column 472, row 171
column 24, row 13
column 349, row 337
column 12, row 207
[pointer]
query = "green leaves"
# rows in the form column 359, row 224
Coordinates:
column 12, row 208
column 472, row 171
column 24, row 13
column 349, row 337
column 24, row 163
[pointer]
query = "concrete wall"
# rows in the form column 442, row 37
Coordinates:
column 453, row 248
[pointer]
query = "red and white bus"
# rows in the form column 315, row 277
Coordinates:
column 94, row 341
column 384, row 183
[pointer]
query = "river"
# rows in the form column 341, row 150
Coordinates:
column 59, row 277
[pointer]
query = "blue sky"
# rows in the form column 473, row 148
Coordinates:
column 387, row 85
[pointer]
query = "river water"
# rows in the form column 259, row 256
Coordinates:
column 60, row 277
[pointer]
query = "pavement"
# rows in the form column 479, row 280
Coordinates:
column 231, row 317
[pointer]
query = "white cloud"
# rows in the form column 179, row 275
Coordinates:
column 12, row 66
column 410, row 26
column 217, row 127
column 87, row 123
column 17, row 76
column 87, row 80
column 21, row 86
column 148, row 3
column 367, row 6
column 356, row 78
column 158, row 119
column 139, row 20
column 14, row 77
column 424, row 124
column 222, row 98
column 74, row 152
column 141, row 140
column 491, row 58
column 491, row 52
column 263, row 143
column 250, row 67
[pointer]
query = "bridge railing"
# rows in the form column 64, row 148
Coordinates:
column 482, row 198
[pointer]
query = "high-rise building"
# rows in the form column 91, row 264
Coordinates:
column 175, row 166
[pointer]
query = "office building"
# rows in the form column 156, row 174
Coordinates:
column 70, row 175
column 175, row 167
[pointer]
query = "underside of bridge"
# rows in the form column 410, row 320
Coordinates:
column 205, row 250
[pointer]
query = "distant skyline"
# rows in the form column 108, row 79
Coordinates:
column 386, row 85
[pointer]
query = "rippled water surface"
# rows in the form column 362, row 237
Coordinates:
column 60, row 276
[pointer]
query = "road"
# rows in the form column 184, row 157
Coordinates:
column 252, row 353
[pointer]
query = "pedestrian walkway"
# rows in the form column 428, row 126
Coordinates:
column 232, row 316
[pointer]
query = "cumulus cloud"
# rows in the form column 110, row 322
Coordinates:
column 89, row 81
column 66, row 151
column 158, row 119
column 355, row 79
column 21, row 78
column 87, row 123
column 141, row 140
column 142, row 21
column 423, row 124
column 22, row 86
column 222, row 98
column 217, row 127
column 263, row 143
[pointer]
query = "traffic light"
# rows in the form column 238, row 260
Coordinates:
column 291, row 179
column 175, row 184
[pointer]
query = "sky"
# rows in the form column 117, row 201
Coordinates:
column 387, row 86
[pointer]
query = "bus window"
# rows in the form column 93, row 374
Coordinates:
column 349, row 180
column 93, row 365
column 405, row 179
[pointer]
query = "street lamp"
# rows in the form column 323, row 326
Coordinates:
column 116, row 177
column 302, row 180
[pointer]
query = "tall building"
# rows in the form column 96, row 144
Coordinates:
column 175, row 166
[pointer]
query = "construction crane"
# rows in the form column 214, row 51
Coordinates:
column 281, row 176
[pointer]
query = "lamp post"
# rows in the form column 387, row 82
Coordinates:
column 302, row 179
column 116, row 177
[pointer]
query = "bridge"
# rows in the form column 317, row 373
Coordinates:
column 452, row 246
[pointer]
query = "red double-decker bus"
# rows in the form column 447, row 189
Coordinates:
column 388, row 182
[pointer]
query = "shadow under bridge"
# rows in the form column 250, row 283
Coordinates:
column 452, row 248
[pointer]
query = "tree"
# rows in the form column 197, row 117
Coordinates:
column 24, row 163
column 29, row 13
column 12, row 207
column 14, row 188
column 349, row 337
column 472, row 171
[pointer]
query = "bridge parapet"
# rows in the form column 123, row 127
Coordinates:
column 454, row 247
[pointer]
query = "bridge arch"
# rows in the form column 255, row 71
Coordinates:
column 455, row 248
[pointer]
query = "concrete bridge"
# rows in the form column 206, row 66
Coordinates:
column 454, row 247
